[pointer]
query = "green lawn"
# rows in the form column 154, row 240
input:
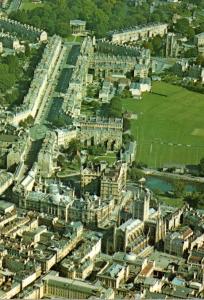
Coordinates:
column 176, row 202
column 71, row 38
column 109, row 157
column 28, row 5
column 170, row 125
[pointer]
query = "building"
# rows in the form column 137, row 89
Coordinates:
column 65, row 135
column 113, row 275
column 141, row 204
column 130, row 237
column 107, row 91
column 80, row 263
column 177, row 242
column 78, row 27
column 129, row 153
column 47, row 155
column 55, row 286
column 43, row 72
column 199, row 39
column 54, row 201
column 145, row 85
column 101, row 131
column 172, row 47
column 138, row 33
column 90, row 177
column 6, row 179
column 113, row 181
column 135, row 90
column 92, row 211
column 22, row 31
column 141, row 70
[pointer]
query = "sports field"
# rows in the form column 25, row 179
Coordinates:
column 169, row 126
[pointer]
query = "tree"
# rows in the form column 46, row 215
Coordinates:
column 182, row 26
column 27, row 122
column 127, row 138
column 135, row 174
column 179, row 188
column 126, row 94
column 27, row 50
column 126, row 124
column 115, row 108
column 201, row 166
column 73, row 149
column 193, row 52
column 96, row 150
column 195, row 200
column 157, row 44
column 200, row 60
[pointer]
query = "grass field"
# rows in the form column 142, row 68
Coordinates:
column 28, row 5
column 170, row 125
column 176, row 202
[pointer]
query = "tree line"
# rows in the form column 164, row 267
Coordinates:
column 101, row 16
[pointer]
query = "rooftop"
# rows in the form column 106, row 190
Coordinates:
column 77, row 22
column 130, row 224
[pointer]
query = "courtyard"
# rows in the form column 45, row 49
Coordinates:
column 169, row 127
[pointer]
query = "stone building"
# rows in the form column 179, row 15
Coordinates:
column 141, row 70
column 177, row 242
column 199, row 39
column 78, row 27
column 104, row 65
column 113, row 275
column 92, row 211
column 18, row 151
column 172, row 47
column 141, row 204
column 138, row 33
column 113, row 181
column 55, row 201
column 77, row 86
column 90, row 177
column 55, row 286
column 80, row 263
column 101, row 131
column 22, row 31
column 129, row 153
column 130, row 237
column 6, row 179
column 47, row 155
column 43, row 72
column 65, row 135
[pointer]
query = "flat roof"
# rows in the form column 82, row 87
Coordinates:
column 163, row 260
column 75, row 284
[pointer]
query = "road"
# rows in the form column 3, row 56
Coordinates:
column 64, row 79
column 73, row 55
